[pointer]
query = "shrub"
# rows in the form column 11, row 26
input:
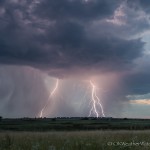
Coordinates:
column 1, row 118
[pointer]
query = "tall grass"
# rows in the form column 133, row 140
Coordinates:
column 84, row 140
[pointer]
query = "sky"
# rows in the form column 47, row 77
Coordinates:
column 100, row 46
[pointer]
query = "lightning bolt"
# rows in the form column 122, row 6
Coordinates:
column 50, row 95
column 96, row 103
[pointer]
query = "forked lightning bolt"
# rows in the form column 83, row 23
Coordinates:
column 50, row 95
column 96, row 103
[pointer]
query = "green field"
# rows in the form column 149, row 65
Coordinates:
column 74, row 134
column 78, row 140
column 73, row 124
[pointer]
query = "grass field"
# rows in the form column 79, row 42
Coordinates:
column 77, row 140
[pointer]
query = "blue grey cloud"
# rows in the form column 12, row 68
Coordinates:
column 58, row 37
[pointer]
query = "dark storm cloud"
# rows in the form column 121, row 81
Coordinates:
column 55, row 35
column 140, row 4
column 138, row 83
column 141, row 83
column 67, row 36
column 76, row 9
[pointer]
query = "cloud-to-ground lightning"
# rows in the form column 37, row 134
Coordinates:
column 96, row 103
column 50, row 95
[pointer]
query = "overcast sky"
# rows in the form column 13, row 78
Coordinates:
column 74, row 41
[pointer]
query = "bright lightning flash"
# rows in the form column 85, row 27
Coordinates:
column 50, row 95
column 96, row 103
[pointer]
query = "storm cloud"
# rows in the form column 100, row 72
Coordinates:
column 60, row 36
column 74, row 38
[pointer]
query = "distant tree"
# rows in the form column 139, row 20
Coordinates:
column 53, row 119
column 1, row 118
column 85, row 118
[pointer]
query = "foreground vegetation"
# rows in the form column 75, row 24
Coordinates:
column 79, row 140
column 74, row 134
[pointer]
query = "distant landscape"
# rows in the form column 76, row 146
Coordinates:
column 73, row 124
